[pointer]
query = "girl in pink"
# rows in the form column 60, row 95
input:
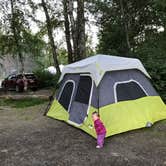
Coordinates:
column 100, row 129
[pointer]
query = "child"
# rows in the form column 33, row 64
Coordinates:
column 100, row 129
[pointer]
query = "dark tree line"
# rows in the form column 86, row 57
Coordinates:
column 134, row 29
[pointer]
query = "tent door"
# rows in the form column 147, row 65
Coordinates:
column 81, row 104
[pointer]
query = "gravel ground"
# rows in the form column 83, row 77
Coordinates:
column 42, row 93
column 27, row 138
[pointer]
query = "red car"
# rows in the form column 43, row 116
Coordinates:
column 17, row 82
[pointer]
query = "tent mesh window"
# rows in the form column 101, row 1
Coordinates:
column 66, row 95
column 84, row 89
column 129, row 91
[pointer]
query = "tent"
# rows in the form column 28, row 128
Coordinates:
column 118, row 88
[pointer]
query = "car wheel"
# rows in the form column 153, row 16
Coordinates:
column 34, row 89
column 4, row 87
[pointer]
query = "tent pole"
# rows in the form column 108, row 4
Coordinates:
column 51, row 98
column 98, row 98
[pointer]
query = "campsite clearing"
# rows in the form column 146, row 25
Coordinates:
column 28, row 138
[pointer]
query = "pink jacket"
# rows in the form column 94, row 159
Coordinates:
column 99, row 127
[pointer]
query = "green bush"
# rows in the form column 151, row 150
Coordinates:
column 46, row 79
column 152, row 53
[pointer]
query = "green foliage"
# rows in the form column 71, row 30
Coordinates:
column 21, row 103
column 46, row 79
column 152, row 54
column 16, row 38
column 112, row 40
column 62, row 56
column 30, row 45
column 6, row 44
column 143, row 19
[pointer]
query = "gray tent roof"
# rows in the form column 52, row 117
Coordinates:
column 99, row 64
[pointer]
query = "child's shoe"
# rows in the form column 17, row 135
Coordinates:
column 98, row 147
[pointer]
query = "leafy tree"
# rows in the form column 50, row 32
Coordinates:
column 50, row 35
column 131, row 28
column 16, row 38
column 123, row 24
column 52, row 21
column 152, row 54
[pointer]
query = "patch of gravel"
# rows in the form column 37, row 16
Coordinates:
column 27, row 138
column 42, row 93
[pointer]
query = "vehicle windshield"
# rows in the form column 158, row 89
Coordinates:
column 11, row 77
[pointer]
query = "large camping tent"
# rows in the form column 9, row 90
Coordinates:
column 117, row 87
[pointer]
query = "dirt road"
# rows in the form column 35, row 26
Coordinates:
column 29, row 139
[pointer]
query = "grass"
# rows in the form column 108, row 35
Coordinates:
column 22, row 103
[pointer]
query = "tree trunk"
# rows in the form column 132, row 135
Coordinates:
column 50, row 35
column 16, row 35
column 73, row 29
column 77, row 27
column 21, row 59
column 125, row 26
column 81, row 30
column 67, row 31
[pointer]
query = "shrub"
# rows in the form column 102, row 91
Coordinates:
column 46, row 79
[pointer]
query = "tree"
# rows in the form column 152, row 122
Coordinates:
column 75, row 29
column 50, row 35
column 16, row 30
column 81, row 30
column 124, row 20
column 124, row 24
column 16, row 38
column 12, row 24
column 67, row 31
column 135, row 26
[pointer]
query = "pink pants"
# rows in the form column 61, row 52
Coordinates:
column 100, row 139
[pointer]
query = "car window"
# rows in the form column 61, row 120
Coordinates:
column 11, row 77
column 20, row 76
column 30, row 76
